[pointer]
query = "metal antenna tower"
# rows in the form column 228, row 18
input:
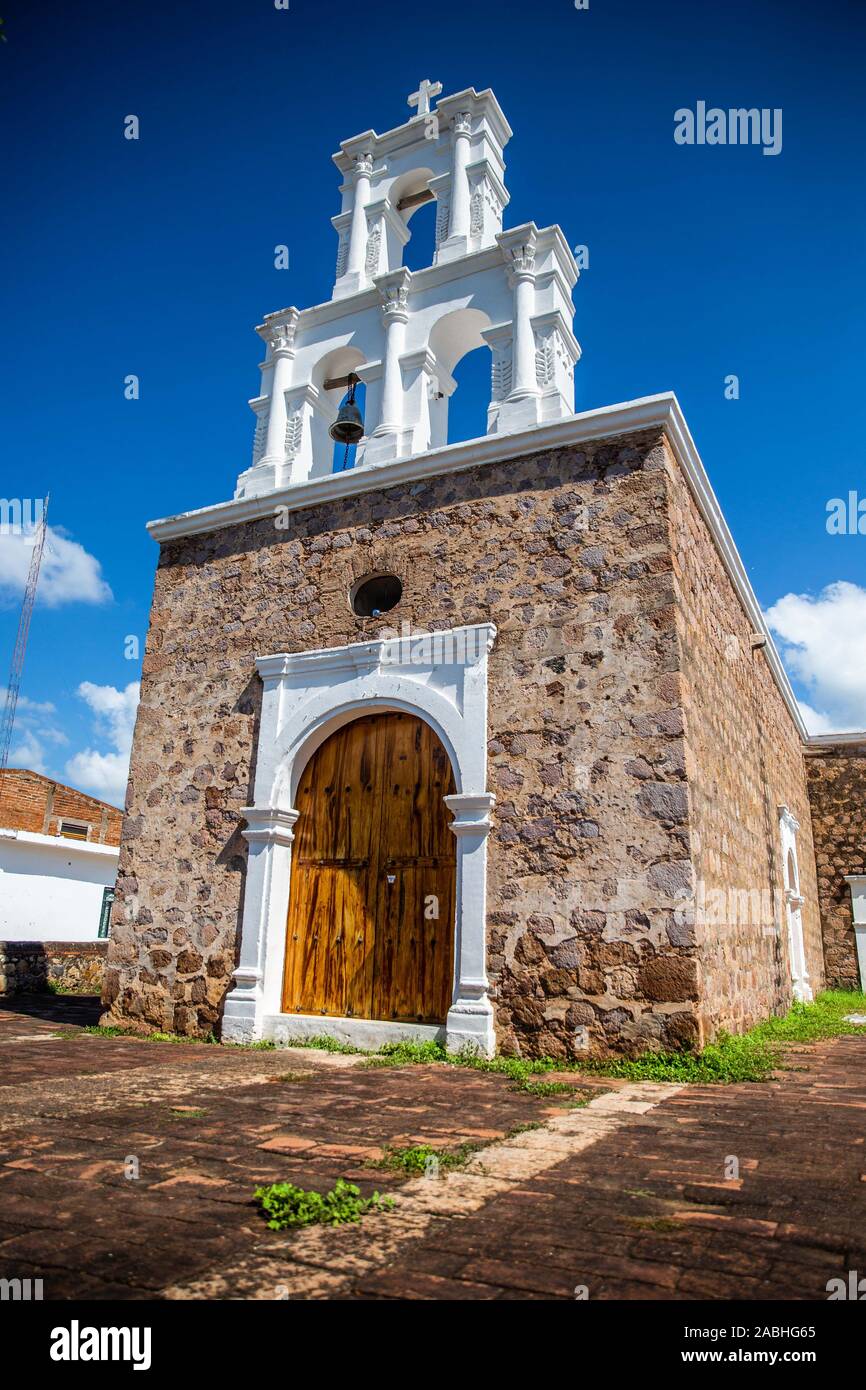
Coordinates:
column 21, row 640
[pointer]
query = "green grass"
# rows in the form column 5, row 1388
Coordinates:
column 544, row 1088
column 323, row 1042
column 417, row 1158
column 751, row 1056
column 286, row 1206
column 111, row 1030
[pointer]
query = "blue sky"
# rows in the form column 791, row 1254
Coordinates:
column 156, row 257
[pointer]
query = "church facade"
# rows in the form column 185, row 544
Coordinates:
column 481, row 741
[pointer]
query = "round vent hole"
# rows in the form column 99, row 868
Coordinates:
column 376, row 595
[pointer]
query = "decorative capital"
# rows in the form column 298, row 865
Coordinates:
column 463, row 123
column 363, row 165
column 394, row 293
column 471, row 811
column 522, row 259
column 281, row 335
column 269, row 825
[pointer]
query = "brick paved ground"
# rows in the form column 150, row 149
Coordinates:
column 626, row 1195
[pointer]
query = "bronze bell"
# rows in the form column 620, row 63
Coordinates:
column 348, row 428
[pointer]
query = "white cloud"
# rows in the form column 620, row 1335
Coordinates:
column 26, row 750
column 34, row 727
column 824, row 647
column 104, row 773
column 69, row 573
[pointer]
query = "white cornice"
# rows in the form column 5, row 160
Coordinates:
column 392, row 651
column 661, row 411
column 407, row 134
column 817, row 743
column 431, row 277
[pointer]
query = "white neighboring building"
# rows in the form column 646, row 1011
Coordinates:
column 58, row 860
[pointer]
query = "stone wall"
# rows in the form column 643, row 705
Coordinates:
column 622, row 669
column 567, row 553
column 31, row 802
column 837, row 792
column 744, row 760
column 26, row 967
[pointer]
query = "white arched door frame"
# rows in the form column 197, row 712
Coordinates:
column 439, row 677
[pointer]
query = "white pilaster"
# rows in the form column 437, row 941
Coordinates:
column 309, row 449
column 387, row 440
column 269, row 450
column 457, row 241
column 258, row 979
column 521, row 408
column 354, row 277
column 282, row 345
column 470, row 1018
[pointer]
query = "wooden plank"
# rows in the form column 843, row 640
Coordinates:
column 371, row 913
column 413, row 961
column 414, row 200
column 331, row 923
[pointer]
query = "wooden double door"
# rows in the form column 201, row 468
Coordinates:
column 370, row 931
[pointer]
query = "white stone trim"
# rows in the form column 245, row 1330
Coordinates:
column 857, row 884
column 440, row 677
column 800, row 984
column 816, row 742
column 367, row 1033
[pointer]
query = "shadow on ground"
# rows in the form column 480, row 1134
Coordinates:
column 69, row 1010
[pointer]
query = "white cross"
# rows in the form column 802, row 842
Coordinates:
column 421, row 98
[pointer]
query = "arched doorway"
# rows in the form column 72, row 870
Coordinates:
column 370, row 928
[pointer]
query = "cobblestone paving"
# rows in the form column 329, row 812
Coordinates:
column 626, row 1195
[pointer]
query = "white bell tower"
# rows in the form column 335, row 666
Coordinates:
column 402, row 332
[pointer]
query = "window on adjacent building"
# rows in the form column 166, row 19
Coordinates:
column 74, row 829
column 105, row 912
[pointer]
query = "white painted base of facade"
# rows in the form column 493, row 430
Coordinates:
column 367, row 1033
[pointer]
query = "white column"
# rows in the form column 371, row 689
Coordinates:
column 358, row 230
column 459, row 178
column 524, row 381
column 470, row 1018
column 394, row 294
column 259, row 972
column 281, row 340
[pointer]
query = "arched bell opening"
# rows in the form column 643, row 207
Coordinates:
column 334, row 376
column 415, row 203
column 463, row 366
